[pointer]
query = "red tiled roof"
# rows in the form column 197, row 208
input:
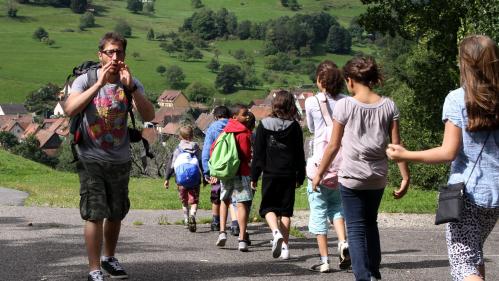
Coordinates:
column 261, row 112
column 204, row 120
column 23, row 119
column 168, row 111
column 31, row 130
column 169, row 95
column 171, row 128
column 44, row 136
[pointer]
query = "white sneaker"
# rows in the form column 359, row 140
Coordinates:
column 322, row 267
column 344, row 254
column 277, row 245
column 374, row 279
column 243, row 246
column 222, row 238
column 285, row 253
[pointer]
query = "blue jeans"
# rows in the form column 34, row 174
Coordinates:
column 361, row 213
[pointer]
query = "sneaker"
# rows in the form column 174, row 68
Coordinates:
column 285, row 253
column 234, row 230
column 322, row 267
column 277, row 245
column 186, row 223
column 95, row 276
column 222, row 238
column 192, row 223
column 247, row 238
column 345, row 261
column 243, row 246
column 113, row 268
column 215, row 226
column 375, row 279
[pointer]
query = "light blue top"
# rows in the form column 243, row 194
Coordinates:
column 483, row 185
column 211, row 136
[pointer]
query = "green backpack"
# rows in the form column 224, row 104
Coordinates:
column 224, row 159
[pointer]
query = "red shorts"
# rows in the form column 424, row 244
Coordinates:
column 189, row 195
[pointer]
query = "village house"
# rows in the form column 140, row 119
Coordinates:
column 173, row 99
column 12, row 109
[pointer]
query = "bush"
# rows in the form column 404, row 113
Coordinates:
column 199, row 92
column 87, row 20
column 134, row 6
column 123, row 28
column 40, row 33
column 78, row 6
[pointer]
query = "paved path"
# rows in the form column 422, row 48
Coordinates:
column 39, row 243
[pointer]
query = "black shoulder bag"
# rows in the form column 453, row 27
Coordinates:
column 451, row 198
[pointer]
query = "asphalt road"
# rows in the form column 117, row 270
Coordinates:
column 39, row 243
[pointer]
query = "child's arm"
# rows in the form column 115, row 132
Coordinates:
column 169, row 171
column 403, row 167
column 445, row 153
column 330, row 153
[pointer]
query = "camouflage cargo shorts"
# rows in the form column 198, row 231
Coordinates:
column 103, row 190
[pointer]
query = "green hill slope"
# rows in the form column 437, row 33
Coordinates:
column 26, row 64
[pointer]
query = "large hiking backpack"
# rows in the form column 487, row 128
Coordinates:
column 90, row 68
column 224, row 159
column 186, row 166
column 320, row 142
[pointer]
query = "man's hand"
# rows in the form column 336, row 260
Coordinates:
column 103, row 76
column 166, row 184
column 125, row 76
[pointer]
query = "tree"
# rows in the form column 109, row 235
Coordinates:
column 40, row 33
column 213, row 65
column 87, row 20
column 150, row 34
column 65, row 157
column 339, row 40
column 161, row 69
column 134, row 6
column 170, row 48
column 11, row 9
column 196, row 4
column 243, row 30
column 174, row 76
column 30, row 149
column 194, row 54
column 43, row 100
column 229, row 76
column 199, row 92
column 78, row 6
column 123, row 28
column 148, row 7
column 8, row 140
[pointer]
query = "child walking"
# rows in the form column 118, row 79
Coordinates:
column 362, row 124
column 186, row 165
column 471, row 139
column 325, row 202
column 278, row 153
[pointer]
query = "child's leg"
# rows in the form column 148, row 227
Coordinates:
column 226, row 189
column 242, row 219
column 285, row 225
column 318, row 219
column 183, row 196
column 373, row 200
column 194, row 200
column 271, row 219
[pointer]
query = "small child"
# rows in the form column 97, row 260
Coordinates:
column 185, row 163
column 278, row 153
column 362, row 127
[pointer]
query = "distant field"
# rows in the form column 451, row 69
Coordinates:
column 51, row 188
column 26, row 64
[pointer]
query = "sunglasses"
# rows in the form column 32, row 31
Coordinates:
column 110, row 53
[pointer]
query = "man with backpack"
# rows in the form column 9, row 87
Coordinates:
column 186, row 164
column 104, row 150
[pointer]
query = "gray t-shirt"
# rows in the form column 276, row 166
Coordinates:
column 105, row 133
column 365, row 138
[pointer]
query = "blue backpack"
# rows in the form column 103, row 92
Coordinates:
column 187, row 173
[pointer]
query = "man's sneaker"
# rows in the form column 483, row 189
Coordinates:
column 247, row 238
column 192, row 223
column 96, row 276
column 345, row 260
column 322, row 267
column 277, row 245
column 215, row 226
column 285, row 253
column 234, row 230
column 243, row 246
column 113, row 268
column 222, row 238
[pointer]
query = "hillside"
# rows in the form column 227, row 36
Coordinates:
column 26, row 64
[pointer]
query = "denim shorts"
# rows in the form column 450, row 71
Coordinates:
column 238, row 188
column 103, row 190
column 325, row 207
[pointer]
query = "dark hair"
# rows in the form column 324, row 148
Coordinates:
column 251, row 121
column 234, row 110
column 221, row 112
column 479, row 68
column 283, row 105
column 329, row 77
column 112, row 37
column 363, row 70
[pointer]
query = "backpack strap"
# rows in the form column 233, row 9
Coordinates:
column 326, row 116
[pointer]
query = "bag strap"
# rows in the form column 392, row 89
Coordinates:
column 324, row 110
column 478, row 157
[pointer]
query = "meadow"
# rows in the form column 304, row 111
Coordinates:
column 26, row 64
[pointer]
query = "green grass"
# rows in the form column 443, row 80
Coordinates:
column 26, row 65
column 51, row 188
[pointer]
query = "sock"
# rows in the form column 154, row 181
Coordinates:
column 193, row 212
column 186, row 212
column 324, row 259
column 275, row 232
column 216, row 219
column 104, row 258
column 284, row 246
column 234, row 223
